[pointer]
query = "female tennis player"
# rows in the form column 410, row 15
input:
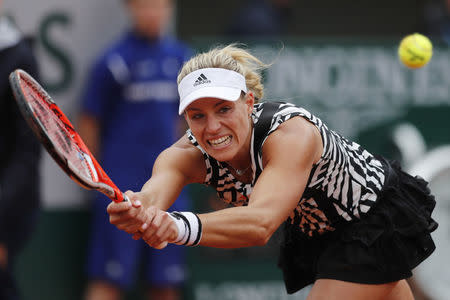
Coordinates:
column 354, row 224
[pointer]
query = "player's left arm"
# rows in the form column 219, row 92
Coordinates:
column 288, row 156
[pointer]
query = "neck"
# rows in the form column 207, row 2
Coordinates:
column 241, row 171
column 243, row 162
column 241, row 166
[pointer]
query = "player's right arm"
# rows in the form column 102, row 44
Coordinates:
column 176, row 167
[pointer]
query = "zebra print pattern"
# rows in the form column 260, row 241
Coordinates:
column 228, row 188
column 343, row 185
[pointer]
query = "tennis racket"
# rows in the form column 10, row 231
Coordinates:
column 59, row 137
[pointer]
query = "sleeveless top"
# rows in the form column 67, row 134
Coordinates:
column 343, row 185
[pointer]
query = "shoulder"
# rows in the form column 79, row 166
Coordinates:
column 295, row 138
column 184, row 144
column 270, row 115
column 279, row 112
column 296, row 130
column 276, row 108
column 187, row 158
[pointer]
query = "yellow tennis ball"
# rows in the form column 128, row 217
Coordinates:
column 415, row 50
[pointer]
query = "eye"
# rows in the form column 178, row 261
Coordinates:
column 224, row 109
column 197, row 116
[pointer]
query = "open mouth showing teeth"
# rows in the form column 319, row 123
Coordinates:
column 223, row 141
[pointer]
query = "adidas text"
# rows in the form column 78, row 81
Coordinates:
column 201, row 80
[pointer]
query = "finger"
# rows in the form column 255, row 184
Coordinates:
column 161, row 246
column 129, row 193
column 152, row 227
column 130, row 222
column 126, row 221
column 143, row 216
column 114, row 207
column 132, row 215
column 136, row 203
column 134, row 198
column 119, row 218
column 143, row 227
column 163, row 233
column 136, row 215
column 172, row 230
column 137, row 236
column 165, row 230
column 148, row 217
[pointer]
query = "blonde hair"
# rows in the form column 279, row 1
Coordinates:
column 231, row 57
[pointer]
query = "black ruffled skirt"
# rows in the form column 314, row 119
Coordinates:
column 383, row 246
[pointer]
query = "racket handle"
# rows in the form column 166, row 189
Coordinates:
column 125, row 198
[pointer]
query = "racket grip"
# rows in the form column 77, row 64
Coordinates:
column 125, row 198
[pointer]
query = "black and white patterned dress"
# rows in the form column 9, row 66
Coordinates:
column 343, row 185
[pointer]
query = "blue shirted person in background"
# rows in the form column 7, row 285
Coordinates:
column 128, row 116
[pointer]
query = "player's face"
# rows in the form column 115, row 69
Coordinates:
column 150, row 17
column 222, row 128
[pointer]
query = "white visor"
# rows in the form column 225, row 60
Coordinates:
column 210, row 83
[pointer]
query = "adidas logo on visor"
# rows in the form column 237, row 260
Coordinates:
column 201, row 80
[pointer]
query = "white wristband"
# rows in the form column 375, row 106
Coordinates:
column 189, row 228
column 182, row 228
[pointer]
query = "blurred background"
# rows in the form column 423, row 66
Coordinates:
column 335, row 58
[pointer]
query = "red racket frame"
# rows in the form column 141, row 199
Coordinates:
column 20, row 81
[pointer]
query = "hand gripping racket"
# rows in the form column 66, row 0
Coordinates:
column 59, row 137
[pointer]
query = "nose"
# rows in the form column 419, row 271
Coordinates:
column 213, row 125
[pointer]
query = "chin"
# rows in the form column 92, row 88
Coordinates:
column 221, row 155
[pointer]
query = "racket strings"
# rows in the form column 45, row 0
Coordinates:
column 62, row 140
column 60, row 133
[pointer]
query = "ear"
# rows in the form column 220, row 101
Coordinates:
column 250, row 101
